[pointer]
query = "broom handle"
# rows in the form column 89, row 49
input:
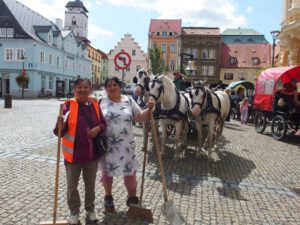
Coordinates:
column 145, row 149
column 160, row 163
column 57, row 165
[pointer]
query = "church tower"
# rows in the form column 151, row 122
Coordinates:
column 76, row 18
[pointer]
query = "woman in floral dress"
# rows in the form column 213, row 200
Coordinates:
column 120, row 160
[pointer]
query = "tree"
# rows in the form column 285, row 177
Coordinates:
column 22, row 80
column 156, row 59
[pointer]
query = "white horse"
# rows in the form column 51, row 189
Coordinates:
column 209, row 108
column 172, row 109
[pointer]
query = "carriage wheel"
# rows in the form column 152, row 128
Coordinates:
column 278, row 127
column 260, row 122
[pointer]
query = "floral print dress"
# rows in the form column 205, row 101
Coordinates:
column 120, row 159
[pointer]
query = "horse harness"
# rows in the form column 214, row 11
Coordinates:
column 209, row 105
column 174, row 113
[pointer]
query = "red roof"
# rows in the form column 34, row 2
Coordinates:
column 244, row 53
column 156, row 24
column 201, row 31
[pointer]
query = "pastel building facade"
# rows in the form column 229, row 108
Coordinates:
column 53, row 57
column 138, row 58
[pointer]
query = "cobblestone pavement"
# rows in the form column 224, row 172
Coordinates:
column 253, row 178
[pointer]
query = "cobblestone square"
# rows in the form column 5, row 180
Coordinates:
column 253, row 178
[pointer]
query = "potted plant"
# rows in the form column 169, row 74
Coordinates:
column 22, row 80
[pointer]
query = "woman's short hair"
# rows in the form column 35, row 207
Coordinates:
column 79, row 80
column 115, row 79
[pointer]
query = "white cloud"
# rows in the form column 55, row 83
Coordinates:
column 249, row 9
column 96, row 32
column 211, row 13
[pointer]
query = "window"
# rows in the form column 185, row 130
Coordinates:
column 66, row 63
column 9, row 54
column 212, row 54
column 116, row 69
column 164, row 33
column 171, row 33
column 49, row 38
column 6, row 32
column 42, row 57
column 211, row 70
column 204, row 53
column 228, row 76
column 50, row 83
column 50, row 59
column 73, row 20
column 164, row 47
column 172, row 48
column 43, row 82
column 133, row 52
column 157, row 33
column 250, row 40
column 20, row 54
column 237, row 40
column 232, row 60
column 204, row 70
column 255, row 61
column 195, row 53
column 2, row 32
column 57, row 61
column 172, row 65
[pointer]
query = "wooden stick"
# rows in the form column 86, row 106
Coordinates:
column 57, row 164
column 158, row 156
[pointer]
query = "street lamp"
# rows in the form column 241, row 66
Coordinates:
column 190, row 68
column 274, row 34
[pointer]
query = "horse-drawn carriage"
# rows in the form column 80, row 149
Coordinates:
column 269, row 104
column 247, row 90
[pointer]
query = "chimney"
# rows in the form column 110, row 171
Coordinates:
column 58, row 23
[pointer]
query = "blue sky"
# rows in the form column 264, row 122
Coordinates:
column 109, row 20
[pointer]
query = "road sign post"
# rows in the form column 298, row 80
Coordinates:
column 122, row 61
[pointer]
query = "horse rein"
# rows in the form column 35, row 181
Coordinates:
column 160, row 89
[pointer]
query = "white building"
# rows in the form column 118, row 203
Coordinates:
column 136, row 54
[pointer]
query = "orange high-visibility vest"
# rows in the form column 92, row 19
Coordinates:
column 68, row 139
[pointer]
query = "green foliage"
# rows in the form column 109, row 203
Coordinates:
column 22, row 80
column 155, row 57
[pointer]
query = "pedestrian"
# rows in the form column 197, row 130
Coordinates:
column 79, row 152
column 244, row 108
column 179, row 81
column 120, row 160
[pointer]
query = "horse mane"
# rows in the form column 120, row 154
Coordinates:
column 167, row 82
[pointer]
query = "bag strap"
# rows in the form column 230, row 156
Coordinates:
column 88, row 119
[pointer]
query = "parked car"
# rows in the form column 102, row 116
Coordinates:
column 129, row 88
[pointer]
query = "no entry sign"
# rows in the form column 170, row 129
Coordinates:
column 122, row 60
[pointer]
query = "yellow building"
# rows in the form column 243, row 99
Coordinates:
column 290, row 33
column 95, row 56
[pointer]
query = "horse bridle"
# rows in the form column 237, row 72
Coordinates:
column 160, row 89
column 198, row 88
column 146, row 81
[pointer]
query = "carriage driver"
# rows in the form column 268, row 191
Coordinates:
column 179, row 81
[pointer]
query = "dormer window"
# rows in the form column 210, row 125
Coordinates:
column 164, row 33
column 232, row 60
column 237, row 40
column 171, row 33
column 255, row 61
column 49, row 38
column 157, row 33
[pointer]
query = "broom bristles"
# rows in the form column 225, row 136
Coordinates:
column 136, row 210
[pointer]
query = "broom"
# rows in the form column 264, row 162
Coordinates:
column 168, row 209
column 137, row 210
column 54, row 222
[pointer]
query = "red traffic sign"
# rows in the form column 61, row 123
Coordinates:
column 122, row 60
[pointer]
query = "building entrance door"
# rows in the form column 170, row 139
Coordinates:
column 60, row 89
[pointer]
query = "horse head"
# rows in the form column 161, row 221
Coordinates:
column 143, row 82
column 197, row 95
column 156, row 87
